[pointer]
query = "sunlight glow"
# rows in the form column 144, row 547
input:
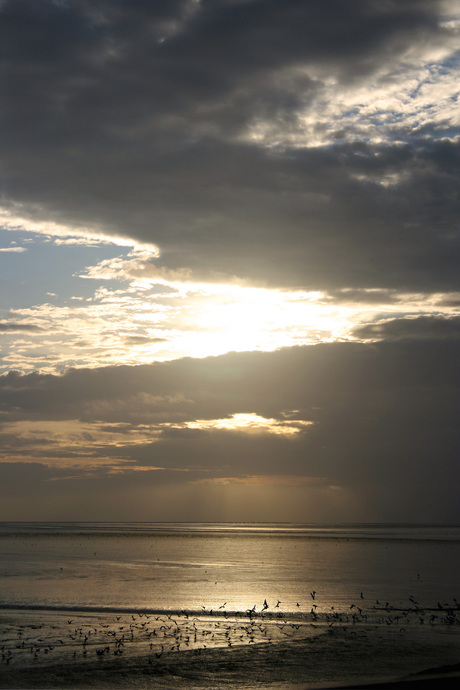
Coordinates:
column 140, row 312
column 224, row 318
column 251, row 423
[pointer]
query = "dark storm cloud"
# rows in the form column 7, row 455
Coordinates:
column 216, row 387
column 75, row 494
column 220, row 453
column 130, row 116
column 363, row 296
column 385, row 417
column 417, row 327
column 18, row 477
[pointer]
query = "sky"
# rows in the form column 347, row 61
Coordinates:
column 229, row 260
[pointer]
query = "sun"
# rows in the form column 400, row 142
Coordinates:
column 233, row 318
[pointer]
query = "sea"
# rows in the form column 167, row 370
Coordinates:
column 139, row 593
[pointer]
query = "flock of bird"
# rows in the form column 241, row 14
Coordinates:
column 88, row 636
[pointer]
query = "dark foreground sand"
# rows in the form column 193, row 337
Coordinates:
column 141, row 677
column 205, row 673
column 63, row 650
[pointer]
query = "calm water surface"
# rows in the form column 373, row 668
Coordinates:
column 196, row 567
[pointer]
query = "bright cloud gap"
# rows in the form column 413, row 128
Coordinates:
column 251, row 423
column 139, row 313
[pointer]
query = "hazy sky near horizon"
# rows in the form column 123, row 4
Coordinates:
column 229, row 260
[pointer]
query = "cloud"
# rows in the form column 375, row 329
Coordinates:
column 276, row 179
column 304, row 145
column 11, row 327
column 143, row 340
column 251, row 423
column 375, row 420
column 132, row 314
column 263, row 480
column 415, row 327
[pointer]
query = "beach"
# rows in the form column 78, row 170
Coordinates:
column 43, row 649
column 211, row 606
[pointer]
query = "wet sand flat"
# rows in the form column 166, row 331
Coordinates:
column 65, row 649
